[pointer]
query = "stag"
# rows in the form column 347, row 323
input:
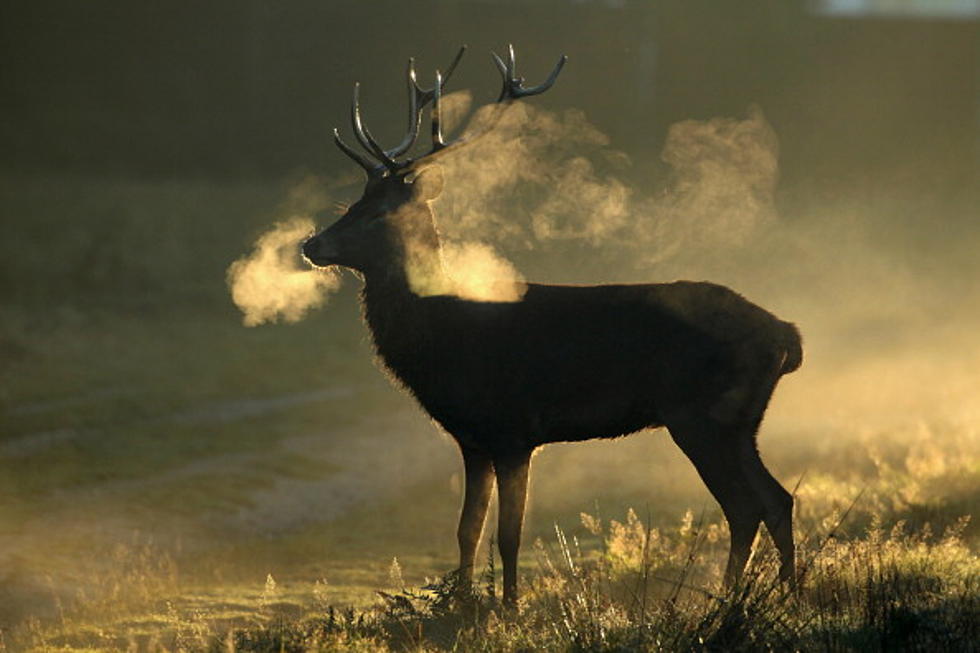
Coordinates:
column 562, row 362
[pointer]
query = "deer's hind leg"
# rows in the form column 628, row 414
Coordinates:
column 476, row 499
column 709, row 446
column 777, row 502
column 778, row 507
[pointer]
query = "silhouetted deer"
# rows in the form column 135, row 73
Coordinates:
column 562, row 363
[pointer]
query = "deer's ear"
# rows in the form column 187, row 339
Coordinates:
column 428, row 183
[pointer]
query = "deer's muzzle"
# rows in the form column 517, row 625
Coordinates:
column 318, row 252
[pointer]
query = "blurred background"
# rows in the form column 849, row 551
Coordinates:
column 251, row 90
column 145, row 146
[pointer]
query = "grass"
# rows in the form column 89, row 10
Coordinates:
column 631, row 587
column 626, row 581
column 170, row 480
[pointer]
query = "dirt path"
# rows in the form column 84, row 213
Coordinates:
column 367, row 462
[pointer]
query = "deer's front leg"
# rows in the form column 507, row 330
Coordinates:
column 479, row 484
column 512, row 475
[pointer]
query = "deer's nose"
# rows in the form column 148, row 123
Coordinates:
column 320, row 250
column 307, row 248
column 314, row 251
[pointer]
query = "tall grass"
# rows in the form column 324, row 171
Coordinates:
column 625, row 585
column 641, row 589
column 887, row 561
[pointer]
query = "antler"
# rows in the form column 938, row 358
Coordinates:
column 418, row 98
column 387, row 160
column 512, row 89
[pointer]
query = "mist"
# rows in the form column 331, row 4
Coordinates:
column 272, row 283
column 569, row 188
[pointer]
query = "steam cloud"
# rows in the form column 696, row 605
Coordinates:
column 481, row 274
column 538, row 177
column 273, row 283
column 541, row 177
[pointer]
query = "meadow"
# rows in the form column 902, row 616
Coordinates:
column 171, row 480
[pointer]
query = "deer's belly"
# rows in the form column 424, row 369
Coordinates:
column 497, row 421
column 599, row 417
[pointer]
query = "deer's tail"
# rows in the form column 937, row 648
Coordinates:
column 792, row 347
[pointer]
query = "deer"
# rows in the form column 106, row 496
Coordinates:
column 561, row 363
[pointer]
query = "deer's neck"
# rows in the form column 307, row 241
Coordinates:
column 387, row 298
column 396, row 314
column 419, row 273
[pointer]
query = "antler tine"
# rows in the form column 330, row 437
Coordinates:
column 364, row 135
column 355, row 117
column 414, row 114
column 513, row 86
column 417, row 99
column 504, row 74
column 372, row 168
column 437, row 142
column 452, row 66
column 544, row 86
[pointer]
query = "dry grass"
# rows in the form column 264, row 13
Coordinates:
column 868, row 581
column 645, row 590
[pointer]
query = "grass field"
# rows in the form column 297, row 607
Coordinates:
column 171, row 480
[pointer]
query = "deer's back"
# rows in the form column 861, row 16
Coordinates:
column 574, row 362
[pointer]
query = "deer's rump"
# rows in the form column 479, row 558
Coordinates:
column 580, row 362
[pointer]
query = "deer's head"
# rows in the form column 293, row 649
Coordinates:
column 392, row 221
